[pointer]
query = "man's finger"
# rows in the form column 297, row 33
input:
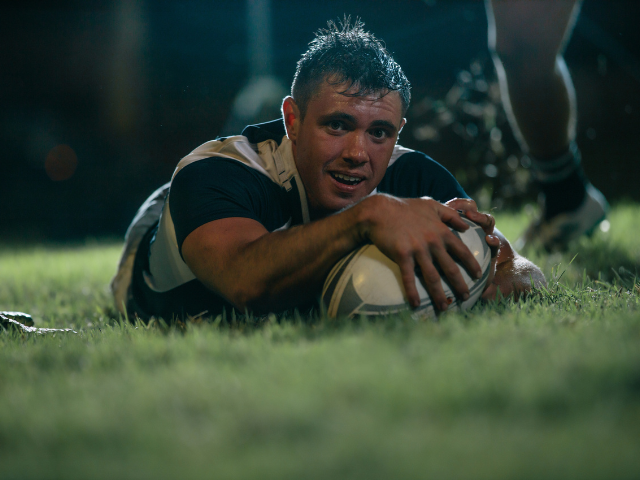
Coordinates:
column 475, row 216
column 464, row 204
column 485, row 220
column 492, row 273
column 468, row 208
column 464, row 255
column 407, row 270
column 452, row 272
column 432, row 282
column 494, row 244
column 451, row 217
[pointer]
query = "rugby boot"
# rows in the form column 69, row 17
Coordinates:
column 555, row 234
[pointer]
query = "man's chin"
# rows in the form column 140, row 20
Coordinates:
column 332, row 206
column 333, row 201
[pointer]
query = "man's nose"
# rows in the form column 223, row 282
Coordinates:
column 356, row 151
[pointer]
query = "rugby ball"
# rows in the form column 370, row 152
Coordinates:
column 367, row 282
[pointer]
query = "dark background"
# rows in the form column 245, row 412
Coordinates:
column 131, row 87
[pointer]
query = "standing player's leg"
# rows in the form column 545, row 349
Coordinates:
column 527, row 39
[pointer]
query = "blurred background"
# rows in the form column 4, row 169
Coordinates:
column 100, row 100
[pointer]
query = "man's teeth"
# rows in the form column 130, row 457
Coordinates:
column 346, row 178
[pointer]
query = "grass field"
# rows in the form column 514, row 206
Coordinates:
column 548, row 388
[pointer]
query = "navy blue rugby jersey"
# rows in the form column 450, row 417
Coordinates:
column 253, row 175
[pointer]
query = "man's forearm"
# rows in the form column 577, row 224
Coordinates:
column 277, row 270
column 257, row 270
column 289, row 267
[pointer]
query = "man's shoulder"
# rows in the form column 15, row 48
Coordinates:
column 404, row 158
column 254, row 148
column 414, row 174
column 400, row 151
column 407, row 156
column 261, row 132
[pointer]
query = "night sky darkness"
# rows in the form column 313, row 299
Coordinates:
column 99, row 100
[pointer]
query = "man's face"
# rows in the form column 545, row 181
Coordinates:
column 343, row 146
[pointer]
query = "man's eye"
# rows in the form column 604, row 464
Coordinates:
column 379, row 133
column 336, row 125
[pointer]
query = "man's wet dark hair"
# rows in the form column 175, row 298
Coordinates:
column 347, row 54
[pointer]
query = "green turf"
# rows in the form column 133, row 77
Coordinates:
column 548, row 388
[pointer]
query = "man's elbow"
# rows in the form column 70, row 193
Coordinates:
column 248, row 298
column 245, row 293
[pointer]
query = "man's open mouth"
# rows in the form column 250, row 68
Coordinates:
column 345, row 179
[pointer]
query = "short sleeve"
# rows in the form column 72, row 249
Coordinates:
column 216, row 188
column 416, row 175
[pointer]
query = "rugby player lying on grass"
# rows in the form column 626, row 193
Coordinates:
column 256, row 221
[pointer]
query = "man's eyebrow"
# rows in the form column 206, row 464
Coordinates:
column 337, row 116
column 383, row 123
column 351, row 119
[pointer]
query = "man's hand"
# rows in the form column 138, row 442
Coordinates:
column 510, row 273
column 488, row 223
column 470, row 209
column 415, row 232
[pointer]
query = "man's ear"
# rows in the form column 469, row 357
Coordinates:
column 291, row 117
column 402, row 124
